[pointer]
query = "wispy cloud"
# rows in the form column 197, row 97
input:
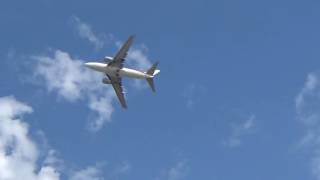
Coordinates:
column 137, row 56
column 72, row 81
column 239, row 131
column 188, row 94
column 307, row 103
column 89, row 173
column 308, row 100
column 123, row 168
column 85, row 31
column 96, row 172
column 178, row 172
column 19, row 154
column 67, row 77
column 191, row 94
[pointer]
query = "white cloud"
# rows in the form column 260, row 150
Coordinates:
column 178, row 172
column 72, row 81
column 138, row 59
column 189, row 93
column 90, row 173
column 192, row 93
column 103, row 107
column 67, row 77
column 85, row 31
column 123, row 168
column 315, row 166
column 136, row 56
column 240, row 130
column 19, row 154
column 96, row 173
column 307, row 103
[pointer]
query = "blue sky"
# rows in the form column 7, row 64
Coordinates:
column 237, row 96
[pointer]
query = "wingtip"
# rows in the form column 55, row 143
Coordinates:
column 153, row 89
column 156, row 63
column 124, row 106
column 132, row 36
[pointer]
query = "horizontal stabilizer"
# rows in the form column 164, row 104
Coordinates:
column 152, row 72
column 153, row 69
column 151, row 84
column 157, row 71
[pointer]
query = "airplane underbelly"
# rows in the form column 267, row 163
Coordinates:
column 112, row 72
column 125, row 72
column 100, row 67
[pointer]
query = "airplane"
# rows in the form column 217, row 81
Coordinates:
column 113, row 68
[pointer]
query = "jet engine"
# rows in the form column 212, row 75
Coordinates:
column 107, row 59
column 106, row 81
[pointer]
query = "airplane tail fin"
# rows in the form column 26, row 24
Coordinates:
column 152, row 72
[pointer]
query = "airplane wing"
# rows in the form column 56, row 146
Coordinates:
column 117, row 86
column 122, row 53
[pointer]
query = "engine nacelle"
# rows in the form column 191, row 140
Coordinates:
column 106, row 81
column 107, row 59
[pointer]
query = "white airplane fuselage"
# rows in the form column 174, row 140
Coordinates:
column 115, row 72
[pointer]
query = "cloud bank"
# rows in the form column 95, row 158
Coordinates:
column 19, row 154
